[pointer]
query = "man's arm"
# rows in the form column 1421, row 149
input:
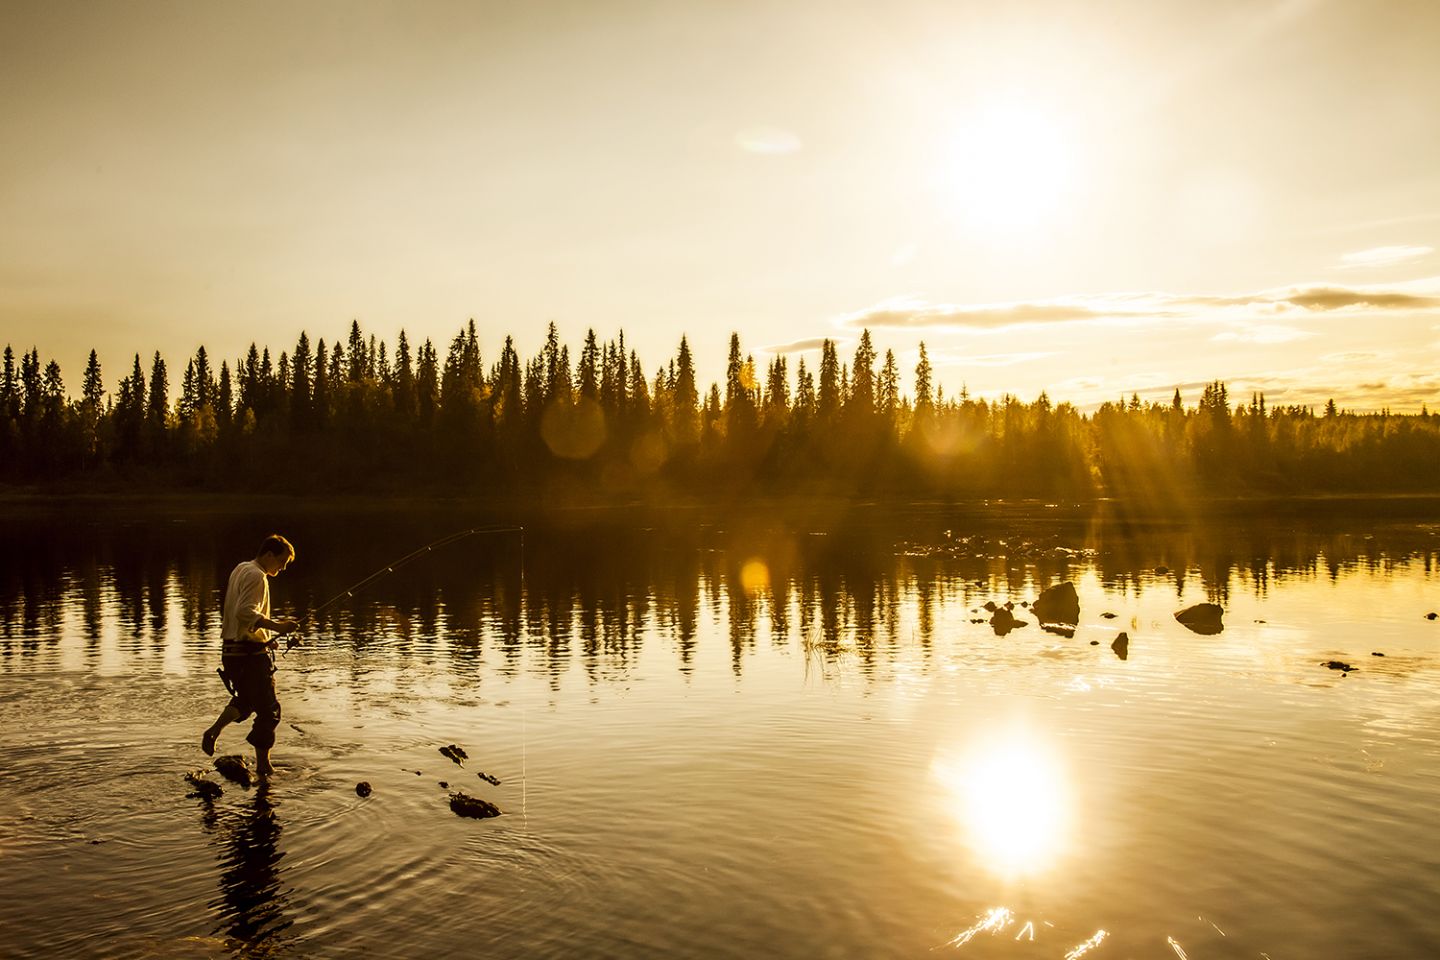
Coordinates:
column 252, row 620
column 282, row 626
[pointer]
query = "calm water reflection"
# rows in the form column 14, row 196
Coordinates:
column 767, row 734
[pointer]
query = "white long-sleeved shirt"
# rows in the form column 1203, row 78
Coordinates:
column 247, row 599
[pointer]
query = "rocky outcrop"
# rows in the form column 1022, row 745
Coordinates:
column 1340, row 665
column 363, row 789
column 465, row 805
column 1121, row 646
column 1203, row 618
column 456, row 753
column 493, row 781
column 1058, row 604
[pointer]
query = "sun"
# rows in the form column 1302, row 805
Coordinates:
column 1009, row 167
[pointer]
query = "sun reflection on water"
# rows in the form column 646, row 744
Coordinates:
column 1011, row 796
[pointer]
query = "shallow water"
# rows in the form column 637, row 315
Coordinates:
column 723, row 736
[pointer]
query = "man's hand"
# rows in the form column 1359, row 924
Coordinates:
column 286, row 625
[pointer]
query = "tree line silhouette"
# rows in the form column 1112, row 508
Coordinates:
column 362, row 416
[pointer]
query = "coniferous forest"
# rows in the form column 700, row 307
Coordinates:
column 364, row 416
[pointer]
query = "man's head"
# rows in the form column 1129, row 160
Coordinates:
column 275, row 554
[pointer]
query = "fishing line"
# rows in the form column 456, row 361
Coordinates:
column 294, row 639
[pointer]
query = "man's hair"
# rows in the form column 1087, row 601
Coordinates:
column 278, row 546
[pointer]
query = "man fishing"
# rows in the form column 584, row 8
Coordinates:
column 246, row 638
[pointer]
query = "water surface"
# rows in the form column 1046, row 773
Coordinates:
column 722, row 735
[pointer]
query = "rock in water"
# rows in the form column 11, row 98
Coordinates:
column 456, row 753
column 363, row 789
column 204, row 788
column 1058, row 604
column 1203, row 618
column 1161, row 570
column 1121, row 646
column 493, row 781
column 465, row 805
column 1004, row 621
column 1338, row 665
column 234, row 768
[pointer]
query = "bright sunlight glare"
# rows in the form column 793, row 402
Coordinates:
column 1009, row 167
column 1012, row 799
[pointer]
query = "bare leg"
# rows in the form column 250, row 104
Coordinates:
column 227, row 716
column 263, row 766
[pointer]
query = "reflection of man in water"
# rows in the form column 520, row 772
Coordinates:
column 253, row 900
column 245, row 662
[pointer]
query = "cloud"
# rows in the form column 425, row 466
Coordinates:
column 767, row 140
column 800, row 346
column 1352, row 356
column 1263, row 334
column 1384, row 256
column 988, row 359
column 1336, row 298
column 1154, row 308
column 903, row 312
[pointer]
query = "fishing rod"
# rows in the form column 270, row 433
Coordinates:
column 294, row 639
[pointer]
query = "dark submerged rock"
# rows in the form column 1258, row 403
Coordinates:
column 990, row 605
column 1059, row 629
column 1338, row 665
column 362, row 789
column 456, row 753
column 1004, row 621
column 1107, row 615
column 493, row 781
column 465, row 805
column 1161, row 570
column 202, row 787
column 234, row 768
column 444, row 784
column 1203, row 618
column 1431, row 615
column 1058, row 604
column 1376, row 653
column 1121, row 645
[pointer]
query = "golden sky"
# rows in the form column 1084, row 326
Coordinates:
column 1089, row 197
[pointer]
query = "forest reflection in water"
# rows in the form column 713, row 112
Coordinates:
column 597, row 586
column 713, row 723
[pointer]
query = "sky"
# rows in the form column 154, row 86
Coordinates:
column 1088, row 197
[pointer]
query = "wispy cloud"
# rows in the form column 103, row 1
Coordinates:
column 1384, row 256
column 800, row 346
column 1264, row 334
column 1352, row 356
column 1296, row 302
column 988, row 359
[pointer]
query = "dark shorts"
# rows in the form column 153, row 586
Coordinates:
column 253, row 681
